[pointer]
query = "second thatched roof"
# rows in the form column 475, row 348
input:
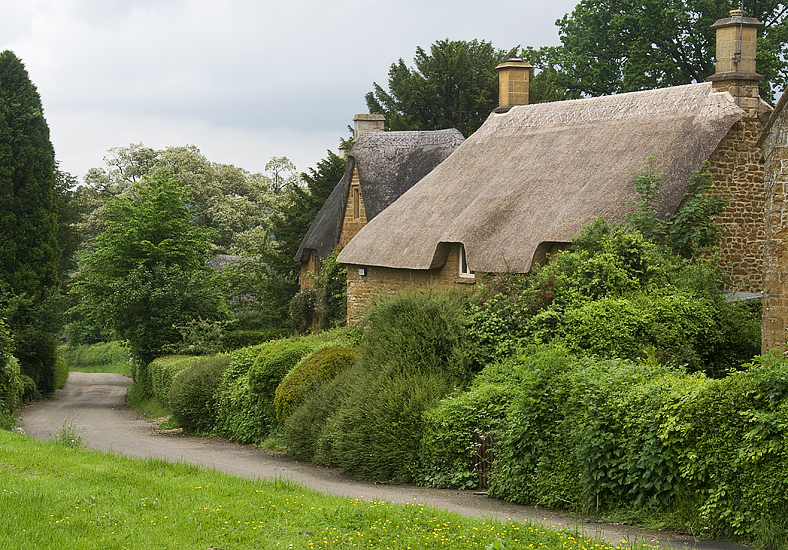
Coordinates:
column 388, row 163
column 539, row 173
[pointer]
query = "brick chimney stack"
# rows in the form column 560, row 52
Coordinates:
column 736, row 47
column 514, row 76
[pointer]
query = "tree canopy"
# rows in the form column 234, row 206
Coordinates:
column 453, row 86
column 144, row 271
column 234, row 202
column 614, row 46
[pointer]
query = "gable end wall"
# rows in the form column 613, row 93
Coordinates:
column 738, row 173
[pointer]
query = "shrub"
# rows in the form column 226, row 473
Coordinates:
column 163, row 372
column 242, row 415
column 192, row 400
column 316, row 369
column 414, row 352
column 375, row 434
column 415, row 331
column 274, row 362
column 11, row 386
column 331, row 292
column 446, row 451
column 639, row 438
column 61, row 372
column 303, row 309
column 307, row 433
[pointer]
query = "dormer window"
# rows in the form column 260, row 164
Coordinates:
column 465, row 271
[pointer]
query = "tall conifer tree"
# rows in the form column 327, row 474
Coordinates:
column 29, row 251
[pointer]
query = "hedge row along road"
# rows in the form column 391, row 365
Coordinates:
column 94, row 404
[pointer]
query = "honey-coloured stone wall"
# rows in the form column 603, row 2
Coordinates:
column 775, row 276
column 384, row 280
column 738, row 174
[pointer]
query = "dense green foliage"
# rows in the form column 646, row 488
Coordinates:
column 610, row 435
column 315, row 370
column 240, row 415
column 331, row 289
column 617, row 295
column 192, row 396
column 30, row 254
column 144, row 271
column 164, row 370
column 367, row 420
column 275, row 361
column 10, row 380
column 446, row 449
column 622, row 45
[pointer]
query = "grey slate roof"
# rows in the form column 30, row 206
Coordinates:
column 539, row 173
column 389, row 163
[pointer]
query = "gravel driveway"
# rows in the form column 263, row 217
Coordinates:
column 94, row 404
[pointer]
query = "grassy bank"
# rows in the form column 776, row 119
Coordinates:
column 57, row 497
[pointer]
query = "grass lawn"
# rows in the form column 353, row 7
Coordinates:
column 54, row 497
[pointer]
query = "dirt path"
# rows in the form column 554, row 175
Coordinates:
column 94, row 404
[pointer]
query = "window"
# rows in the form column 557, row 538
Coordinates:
column 464, row 270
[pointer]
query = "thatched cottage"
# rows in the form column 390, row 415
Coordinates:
column 533, row 175
column 774, row 140
column 381, row 167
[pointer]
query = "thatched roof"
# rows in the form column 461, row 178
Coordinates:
column 389, row 163
column 539, row 173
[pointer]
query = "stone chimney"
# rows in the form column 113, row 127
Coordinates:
column 736, row 46
column 367, row 123
column 514, row 75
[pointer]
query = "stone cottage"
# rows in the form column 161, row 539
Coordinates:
column 533, row 175
column 381, row 167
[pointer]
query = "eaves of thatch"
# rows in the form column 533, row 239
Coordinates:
column 539, row 173
column 388, row 163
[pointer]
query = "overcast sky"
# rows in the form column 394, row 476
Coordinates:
column 243, row 80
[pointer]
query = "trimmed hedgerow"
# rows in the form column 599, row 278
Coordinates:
column 247, row 415
column 311, row 372
column 238, row 416
column 162, row 372
column 275, row 361
column 192, row 399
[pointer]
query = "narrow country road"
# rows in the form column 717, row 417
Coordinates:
column 95, row 405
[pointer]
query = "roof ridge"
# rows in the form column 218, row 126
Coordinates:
column 692, row 99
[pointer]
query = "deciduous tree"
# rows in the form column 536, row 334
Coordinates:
column 613, row 46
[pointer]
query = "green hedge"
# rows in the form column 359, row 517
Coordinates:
column 446, row 451
column 192, row 398
column 94, row 355
column 274, row 363
column 311, row 372
column 608, row 435
column 11, row 385
column 162, row 372
column 368, row 420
